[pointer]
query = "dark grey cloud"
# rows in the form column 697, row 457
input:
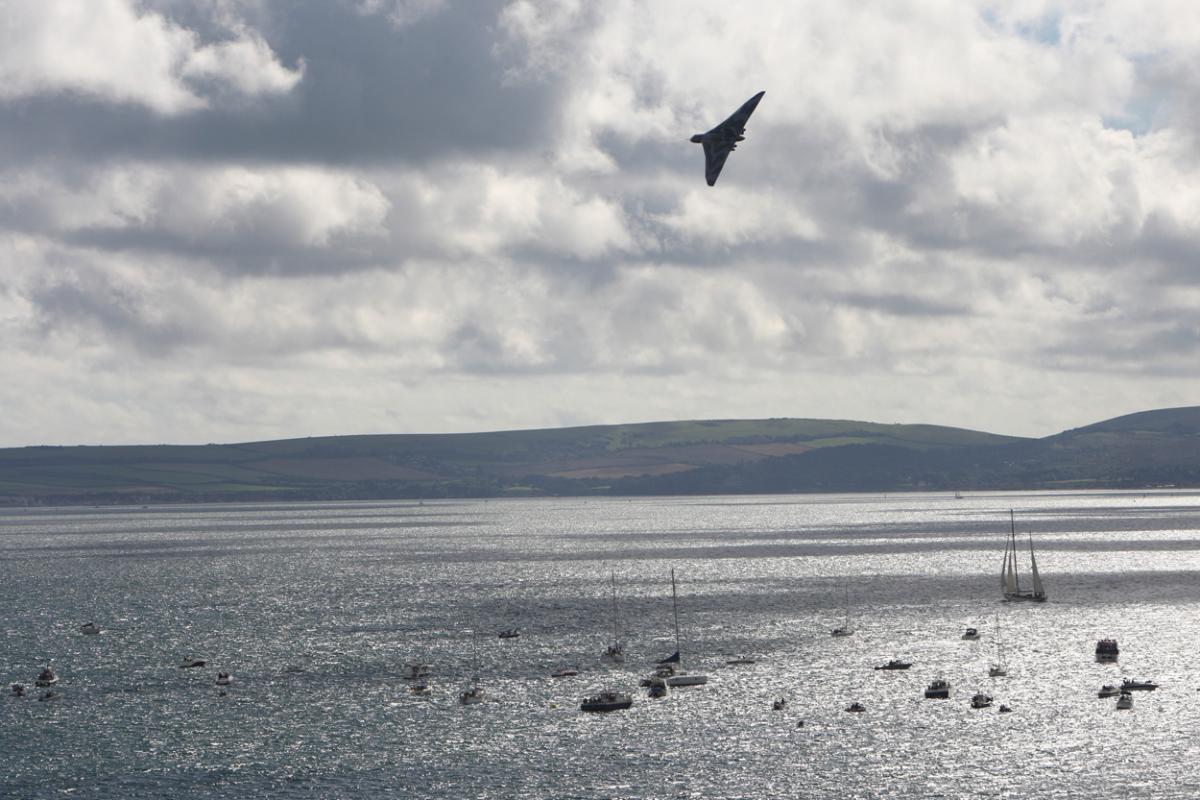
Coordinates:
column 372, row 92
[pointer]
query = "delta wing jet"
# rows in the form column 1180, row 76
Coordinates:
column 722, row 140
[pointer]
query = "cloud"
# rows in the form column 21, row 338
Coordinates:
column 107, row 50
column 482, row 215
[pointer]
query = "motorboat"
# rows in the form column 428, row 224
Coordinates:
column 564, row 672
column 50, row 695
column 471, row 696
column 419, row 688
column 415, row 672
column 1108, row 690
column 192, row 664
column 509, row 633
column 997, row 671
column 938, row 689
column 779, row 705
column 1107, row 651
column 981, row 700
column 741, row 661
column 681, row 677
column 46, row 677
column 1128, row 685
column 224, row 679
column 1125, row 702
column 89, row 628
column 657, row 689
column 971, row 634
column 606, row 701
column 18, row 690
column 896, row 663
column 856, row 708
column 1005, row 710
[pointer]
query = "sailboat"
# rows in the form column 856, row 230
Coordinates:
column 845, row 629
column 670, row 669
column 473, row 693
column 615, row 654
column 998, row 670
column 1010, row 581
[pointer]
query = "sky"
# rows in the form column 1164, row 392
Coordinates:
column 236, row 220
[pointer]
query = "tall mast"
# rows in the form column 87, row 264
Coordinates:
column 675, row 607
column 616, row 621
column 1016, row 574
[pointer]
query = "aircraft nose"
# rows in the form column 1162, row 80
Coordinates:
column 696, row 139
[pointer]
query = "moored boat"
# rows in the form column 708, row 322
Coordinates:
column 46, row 677
column 981, row 700
column 564, row 672
column 606, row 701
column 856, row 708
column 971, row 634
column 1129, row 685
column 1108, row 690
column 224, row 679
column 1107, row 651
column 509, row 633
column 89, row 628
column 938, row 689
column 895, row 663
column 657, row 689
column 1125, row 702
column 1010, row 579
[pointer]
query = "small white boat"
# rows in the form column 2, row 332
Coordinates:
column 224, row 679
column 1125, row 702
column 90, row 628
column 938, row 689
column 856, row 708
column 1108, row 690
column 606, row 701
column 981, row 700
column 971, row 634
column 46, row 677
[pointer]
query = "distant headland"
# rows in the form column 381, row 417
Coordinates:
column 1150, row 449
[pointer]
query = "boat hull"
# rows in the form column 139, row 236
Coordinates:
column 1014, row 597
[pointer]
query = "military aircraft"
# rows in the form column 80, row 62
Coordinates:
column 722, row 140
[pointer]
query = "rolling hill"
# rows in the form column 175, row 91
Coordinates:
column 772, row 455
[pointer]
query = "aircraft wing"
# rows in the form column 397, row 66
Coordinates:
column 736, row 124
column 715, row 154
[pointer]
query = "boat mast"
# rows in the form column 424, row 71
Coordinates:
column 675, row 607
column 1016, row 575
column 616, row 620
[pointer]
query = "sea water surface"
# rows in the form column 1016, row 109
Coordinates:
column 315, row 609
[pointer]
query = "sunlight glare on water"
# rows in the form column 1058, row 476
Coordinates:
column 316, row 608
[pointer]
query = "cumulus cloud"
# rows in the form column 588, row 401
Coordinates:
column 108, row 50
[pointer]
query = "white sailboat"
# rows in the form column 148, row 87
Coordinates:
column 1010, row 581
column 845, row 629
column 998, row 669
column 615, row 654
column 670, row 669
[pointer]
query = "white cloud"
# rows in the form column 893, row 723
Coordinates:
column 107, row 49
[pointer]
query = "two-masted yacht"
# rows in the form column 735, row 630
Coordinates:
column 1010, row 580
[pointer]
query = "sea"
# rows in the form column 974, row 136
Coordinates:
column 316, row 608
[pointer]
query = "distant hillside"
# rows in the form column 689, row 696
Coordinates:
column 707, row 456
